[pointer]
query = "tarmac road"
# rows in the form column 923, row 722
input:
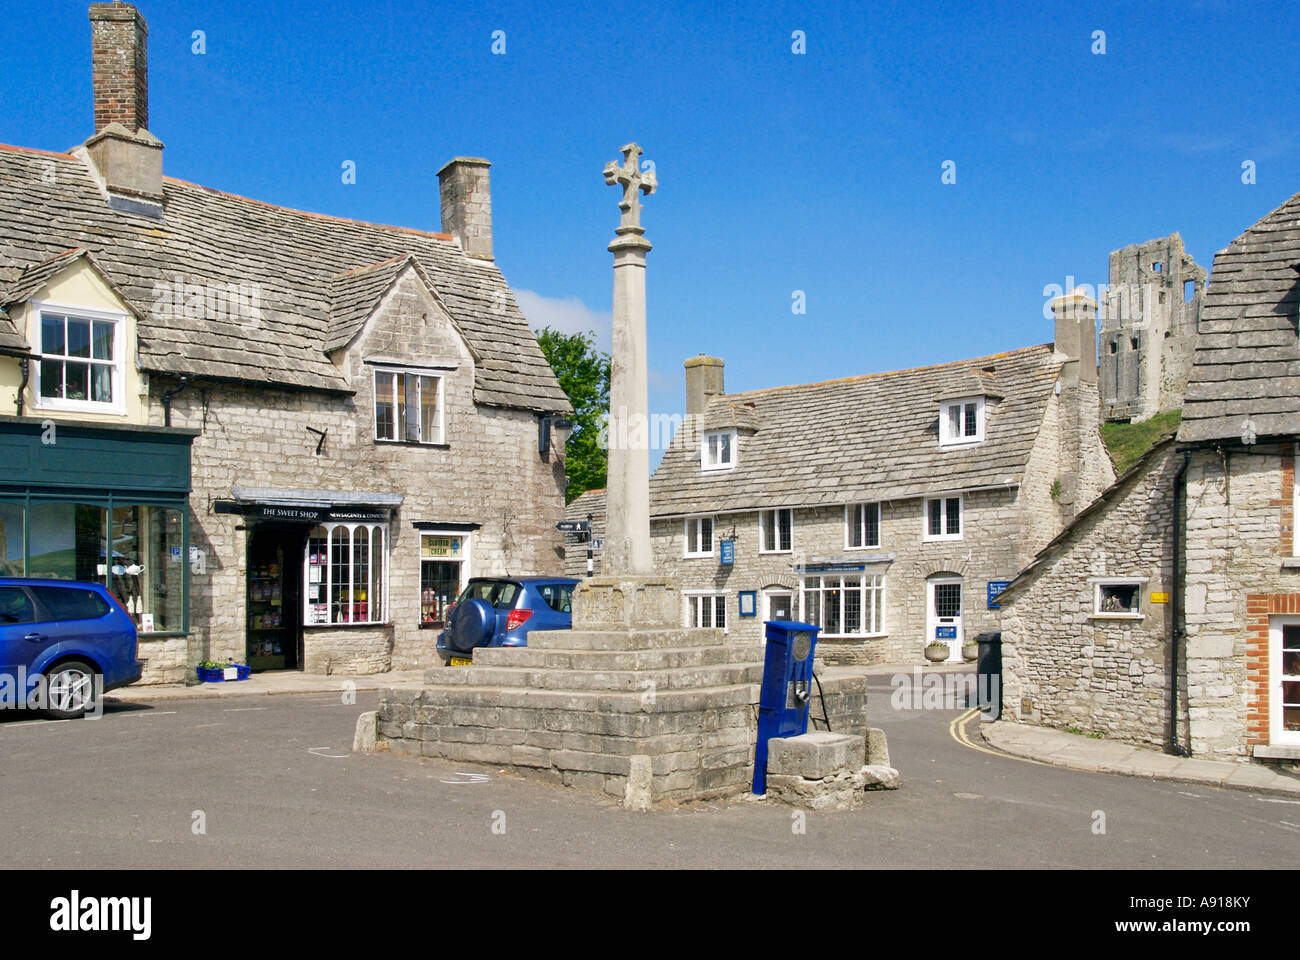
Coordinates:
column 273, row 783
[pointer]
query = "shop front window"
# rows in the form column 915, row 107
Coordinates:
column 11, row 540
column 442, row 568
column 136, row 551
column 346, row 565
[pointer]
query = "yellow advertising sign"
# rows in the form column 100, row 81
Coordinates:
column 440, row 546
column 1159, row 598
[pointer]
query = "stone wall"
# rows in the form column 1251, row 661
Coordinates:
column 1239, row 541
column 1075, row 669
column 487, row 472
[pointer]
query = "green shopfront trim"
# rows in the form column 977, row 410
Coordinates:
column 103, row 503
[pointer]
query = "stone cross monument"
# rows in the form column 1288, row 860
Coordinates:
column 627, row 537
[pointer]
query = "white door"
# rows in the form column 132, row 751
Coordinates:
column 1284, row 697
column 943, row 616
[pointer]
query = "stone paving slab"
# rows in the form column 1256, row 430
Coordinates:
column 1098, row 756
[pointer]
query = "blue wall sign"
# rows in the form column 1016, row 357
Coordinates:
column 995, row 590
column 749, row 603
column 945, row 633
column 728, row 548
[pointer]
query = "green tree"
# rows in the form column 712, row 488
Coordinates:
column 583, row 373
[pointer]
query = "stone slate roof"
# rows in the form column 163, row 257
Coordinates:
column 862, row 438
column 10, row 341
column 49, row 203
column 1116, row 491
column 355, row 294
column 1247, row 360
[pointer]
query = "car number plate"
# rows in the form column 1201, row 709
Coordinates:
column 462, row 661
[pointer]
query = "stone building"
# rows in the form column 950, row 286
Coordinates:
column 887, row 508
column 281, row 437
column 1149, row 320
column 1212, row 594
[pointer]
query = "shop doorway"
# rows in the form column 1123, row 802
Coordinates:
column 274, row 601
column 943, row 620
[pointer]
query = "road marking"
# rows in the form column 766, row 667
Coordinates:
column 152, row 713
column 957, row 729
column 473, row 778
column 315, row 752
column 242, row 709
column 200, row 726
column 1274, row 800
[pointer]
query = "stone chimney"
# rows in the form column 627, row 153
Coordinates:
column 1076, row 335
column 467, row 205
column 1079, row 448
column 703, row 380
column 126, row 159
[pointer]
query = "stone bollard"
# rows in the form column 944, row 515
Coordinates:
column 367, row 731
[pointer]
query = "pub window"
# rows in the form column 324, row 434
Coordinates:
column 706, row 610
column 718, row 450
column 408, row 407
column 962, row 422
column 444, row 559
column 775, row 531
column 347, row 571
column 943, row 518
column 699, row 537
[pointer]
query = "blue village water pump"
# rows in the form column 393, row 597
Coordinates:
column 786, row 690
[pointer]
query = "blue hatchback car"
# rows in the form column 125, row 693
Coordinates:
column 502, row 611
column 75, row 637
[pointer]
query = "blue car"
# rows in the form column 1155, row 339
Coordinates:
column 75, row 638
column 502, row 611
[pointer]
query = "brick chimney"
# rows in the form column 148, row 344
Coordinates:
column 1079, row 449
column 120, row 59
column 703, row 381
column 126, row 159
column 467, row 205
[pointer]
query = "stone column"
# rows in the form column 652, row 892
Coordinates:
column 627, row 536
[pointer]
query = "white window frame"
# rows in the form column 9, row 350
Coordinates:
column 1295, row 506
column 467, row 552
column 874, row 587
column 399, row 428
column 849, row 508
column 118, row 377
column 945, row 535
column 1277, row 736
column 762, row 530
column 705, row 462
column 946, row 436
column 1139, row 583
column 691, row 537
column 765, row 608
column 327, row 574
column 719, row 602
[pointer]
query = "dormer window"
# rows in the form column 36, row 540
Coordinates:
column 718, row 450
column 961, row 422
column 80, row 360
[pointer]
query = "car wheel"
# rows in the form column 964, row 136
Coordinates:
column 70, row 690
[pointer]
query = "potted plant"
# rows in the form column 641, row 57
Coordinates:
column 936, row 651
column 970, row 650
column 211, row 671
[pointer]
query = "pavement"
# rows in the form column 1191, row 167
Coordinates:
column 1060, row 749
column 271, row 682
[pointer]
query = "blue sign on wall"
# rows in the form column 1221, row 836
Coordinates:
column 995, row 590
column 728, row 552
column 945, row 633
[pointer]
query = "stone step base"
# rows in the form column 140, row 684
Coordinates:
column 618, row 681
column 658, row 658
column 623, row 639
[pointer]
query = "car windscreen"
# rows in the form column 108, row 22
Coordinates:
column 558, row 596
column 71, row 603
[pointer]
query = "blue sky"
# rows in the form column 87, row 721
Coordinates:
column 778, row 172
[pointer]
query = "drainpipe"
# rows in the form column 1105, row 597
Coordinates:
column 167, row 400
column 25, row 365
column 1176, row 607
